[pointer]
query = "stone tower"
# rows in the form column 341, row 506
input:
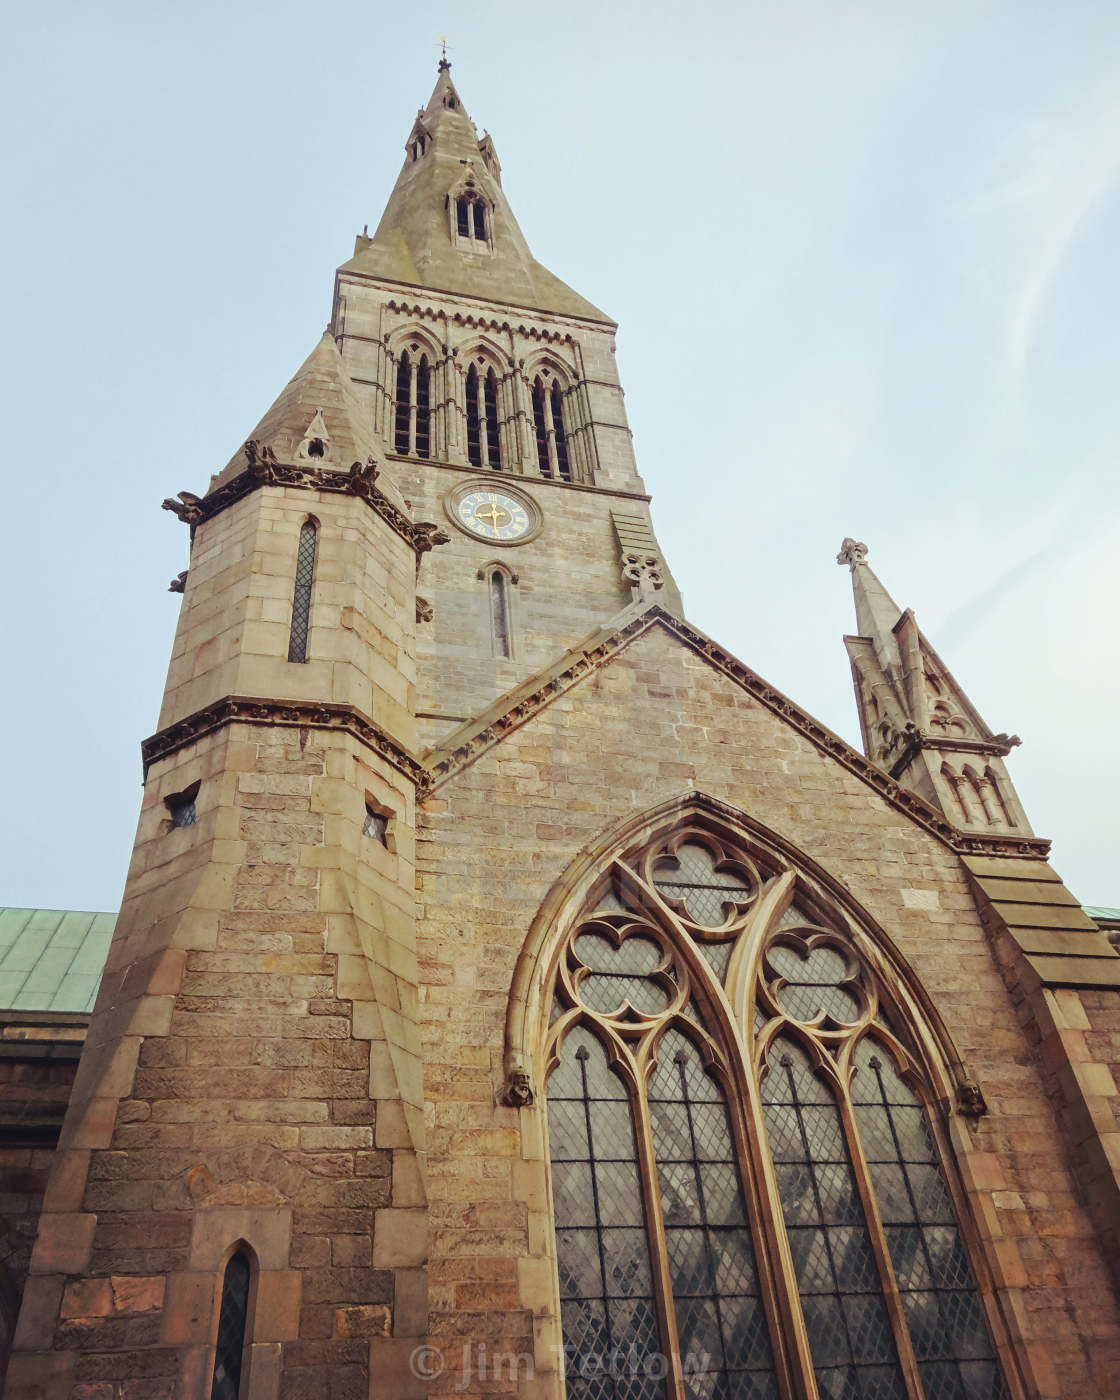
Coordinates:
column 494, row 939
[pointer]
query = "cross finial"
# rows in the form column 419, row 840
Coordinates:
column 444, row 63
column 852, row 552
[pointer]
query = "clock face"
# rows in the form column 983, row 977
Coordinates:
column 492, row 515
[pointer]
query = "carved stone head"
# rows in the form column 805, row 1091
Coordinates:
column 518, row 1089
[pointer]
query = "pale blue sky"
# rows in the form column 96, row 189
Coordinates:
column 864, row 261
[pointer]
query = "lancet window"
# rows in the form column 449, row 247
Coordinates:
column 233, row 1318
column 751, row 1196
column 301, row 592
column 550, row 428
column 412, row 406
column 484, row 447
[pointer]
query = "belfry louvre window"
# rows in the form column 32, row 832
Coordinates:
column 412, row 411
column 483, row 437
column 470, row 218
column 749, row 1192
column 301, row 594
column 550, row 430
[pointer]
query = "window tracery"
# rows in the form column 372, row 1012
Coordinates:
column 748, row 1182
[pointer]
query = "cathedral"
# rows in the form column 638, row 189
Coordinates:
column 513, row 993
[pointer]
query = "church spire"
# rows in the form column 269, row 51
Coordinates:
column 917, row 722
column 449, row 227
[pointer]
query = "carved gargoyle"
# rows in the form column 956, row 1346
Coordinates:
column 178, row 584
column 424, row 610
column 188, row 507
column 425, row 536
column 363, row 478
column 261, row 459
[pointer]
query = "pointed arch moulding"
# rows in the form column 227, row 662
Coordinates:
column 522, row 704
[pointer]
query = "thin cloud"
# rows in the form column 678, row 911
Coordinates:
column 1069, row 165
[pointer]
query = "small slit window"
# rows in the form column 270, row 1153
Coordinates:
column 301, row 596
column 499, row 613
column 181, row 806
column 232, row 1322
column 376, row 825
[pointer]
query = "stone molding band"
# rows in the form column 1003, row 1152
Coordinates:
column 449, row 758
column 263, row 469
column 293, row 714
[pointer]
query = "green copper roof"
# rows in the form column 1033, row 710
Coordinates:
column 51, row 959
column 1098, row 911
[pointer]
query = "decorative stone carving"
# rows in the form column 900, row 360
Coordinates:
column 245, row 709
column 425, row 536
column 188, row 507
column 517, row 1091
column 643, row 573
column 852, row 552
column 263, row 469
column 970, row 1099
column 424, row 610
column 179, row 583
column 316, row 444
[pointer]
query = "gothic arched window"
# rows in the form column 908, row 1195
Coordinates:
column 499, row 613
column 471, row 221
column 550, row 429
column 412, row 410
column 403, row 404
column 748, row 1180
column 301, row 593
column 483, row 438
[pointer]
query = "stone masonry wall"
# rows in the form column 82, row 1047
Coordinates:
column 652, row 724
column 234, row 1096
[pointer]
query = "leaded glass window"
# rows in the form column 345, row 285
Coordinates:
column 301, row 596
column 232, row 1320
column 750, row 1194
column 606, row 1290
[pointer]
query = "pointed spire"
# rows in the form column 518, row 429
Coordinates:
column 918, row 724
column 418, row 240
column 318, row 419
column 444, row 97
column 876, row 611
